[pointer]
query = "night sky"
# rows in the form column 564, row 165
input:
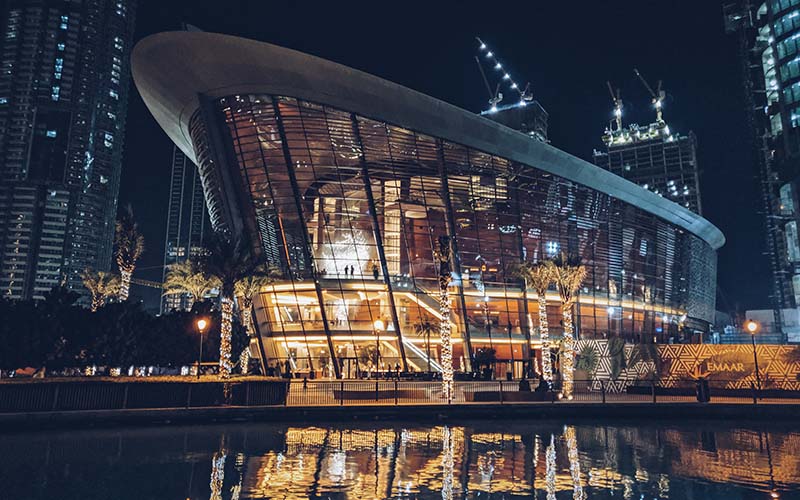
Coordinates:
column 567, row 50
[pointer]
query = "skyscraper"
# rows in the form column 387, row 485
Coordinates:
column 64, row 78
column 769, row 45
column 655, row 158
column 187, row 221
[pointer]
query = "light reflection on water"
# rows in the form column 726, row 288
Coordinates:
column 476, row 460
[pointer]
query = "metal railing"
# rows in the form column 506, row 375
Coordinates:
column 100, row 395
column 400, row 392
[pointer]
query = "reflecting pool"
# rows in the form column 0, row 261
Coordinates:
column 544, row 460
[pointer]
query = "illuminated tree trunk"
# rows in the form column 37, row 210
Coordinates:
column 225, row 365
column 568, row 354
column 574, row 462
column 97, row 302
column 544, row 334
column 125, row 283
column 444, row 309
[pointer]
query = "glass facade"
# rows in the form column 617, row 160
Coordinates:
column 350, row 210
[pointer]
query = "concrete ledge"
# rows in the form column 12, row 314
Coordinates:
column 419, row 413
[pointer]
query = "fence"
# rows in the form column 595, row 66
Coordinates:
column 398, row 392
column 100, row 395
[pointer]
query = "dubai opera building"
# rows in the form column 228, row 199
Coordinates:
column 345, row 182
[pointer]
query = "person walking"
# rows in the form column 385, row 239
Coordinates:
column 375, row 271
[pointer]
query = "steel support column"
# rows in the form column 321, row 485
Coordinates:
column 376, row 228
column 451, row 229
column 287, row 156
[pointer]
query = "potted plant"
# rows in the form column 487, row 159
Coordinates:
column 585, row 366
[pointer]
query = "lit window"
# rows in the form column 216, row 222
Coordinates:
column 113, row 93
column 61, row 46
column 51, row 134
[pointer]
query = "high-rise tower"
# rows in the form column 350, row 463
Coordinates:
column 187, row 221
column 64, row 78
column 769, row 45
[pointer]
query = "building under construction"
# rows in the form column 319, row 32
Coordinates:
column 652, row 156
column 769, row 45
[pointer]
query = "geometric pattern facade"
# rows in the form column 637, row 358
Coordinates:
column 726, row 366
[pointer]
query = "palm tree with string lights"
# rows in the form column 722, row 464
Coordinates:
column 186, row 277
column 539, row 276
column 568, row 275
column 228, row 261
column 129, row 244
column 101, row 285
column 245, row 290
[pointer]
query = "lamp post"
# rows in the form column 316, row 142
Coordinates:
column 752, row 328
column 202, row 324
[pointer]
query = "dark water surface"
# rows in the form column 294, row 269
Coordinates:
column 476, row 460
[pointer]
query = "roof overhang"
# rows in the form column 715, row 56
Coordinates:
column 172, row 69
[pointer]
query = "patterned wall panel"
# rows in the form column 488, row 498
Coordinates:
column 730, row 366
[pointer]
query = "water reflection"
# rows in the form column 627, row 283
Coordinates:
column 537, row 460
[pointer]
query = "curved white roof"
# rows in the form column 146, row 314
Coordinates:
column 172, row 69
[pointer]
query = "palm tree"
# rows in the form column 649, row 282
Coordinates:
column 445, row 276
column 539, row 276
column 130, row 245
column 101, row 285
column 229, row 262
column 568, row 275
column 424, row 329
column 187, row 277
column 245, row 289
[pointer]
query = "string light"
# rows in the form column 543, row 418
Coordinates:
column 550, row 469
column 498, row 66
column 225, row 366
column 244, row 360
column 217, row 474
column 445, row 276
column 568, row 279
column 448, row 450
column 574, row 462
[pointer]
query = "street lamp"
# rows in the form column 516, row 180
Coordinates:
column 202, row 324
column 752, row 328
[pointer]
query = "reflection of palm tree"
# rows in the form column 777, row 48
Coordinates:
column 130, row 245
column 424, row 329
column 218, row 471
column 448, row 450
column 101, row 285
column 186, row 277
column 550, row 469
column 568, row 275
column 539, row 276
column 574, row 462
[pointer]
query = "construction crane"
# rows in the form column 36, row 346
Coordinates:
column 615, row 98
column 147, row 283
column 657, row 96
column 525, row 95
